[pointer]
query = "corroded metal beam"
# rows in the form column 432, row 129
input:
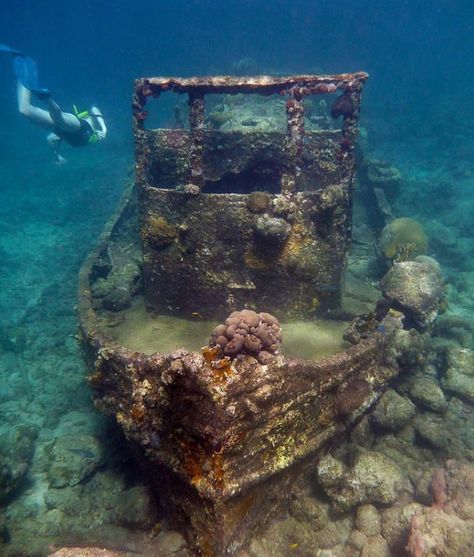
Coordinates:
column 295, row 87
column 262, row 84
column 299, row 85
column 196, row 125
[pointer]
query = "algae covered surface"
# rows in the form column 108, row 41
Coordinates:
column 148, row 332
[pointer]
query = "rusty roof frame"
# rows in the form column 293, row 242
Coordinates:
column 263, row 84
column 294, row 87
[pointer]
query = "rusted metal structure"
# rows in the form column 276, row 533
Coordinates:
column 271, row 227
column 229, row 439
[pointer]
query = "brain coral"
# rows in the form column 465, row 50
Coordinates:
column 248, row 332
column 403, row 239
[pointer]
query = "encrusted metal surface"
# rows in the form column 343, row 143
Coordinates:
column 216, row 262
column 262, row 84
column 229, row 439
column 209, row 247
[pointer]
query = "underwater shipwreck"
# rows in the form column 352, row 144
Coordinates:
column 242, row 228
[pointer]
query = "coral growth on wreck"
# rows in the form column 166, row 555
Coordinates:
column 350, row 398
column 158, row 231
column 248, row 332
column 258, row 201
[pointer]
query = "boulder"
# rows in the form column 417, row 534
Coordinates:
column 426, row 393
column 373, row 479
column 392, row 412
column 416, row 289
column 459, row 376
column 73, row 458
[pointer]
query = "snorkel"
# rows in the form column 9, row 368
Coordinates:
column 84, row 114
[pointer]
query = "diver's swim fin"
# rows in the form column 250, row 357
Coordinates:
column 5, row 48
column 26, row 71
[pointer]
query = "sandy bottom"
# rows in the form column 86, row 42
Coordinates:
column 143, row 331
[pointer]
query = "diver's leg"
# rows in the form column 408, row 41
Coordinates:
column 62, row 120
column 49, row 119
column 36, row 115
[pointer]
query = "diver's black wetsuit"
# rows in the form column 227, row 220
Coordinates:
column 77, row 138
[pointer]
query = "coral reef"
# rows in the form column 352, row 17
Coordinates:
column 425, row 416
column 159, row 542
column 403, row 239
column 248, row 332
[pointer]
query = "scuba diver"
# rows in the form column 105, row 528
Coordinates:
column 78, row 129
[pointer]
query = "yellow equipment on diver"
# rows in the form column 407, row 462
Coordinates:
column 83, row 115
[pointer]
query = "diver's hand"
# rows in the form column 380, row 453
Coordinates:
column 60, row 160
column 100, row 134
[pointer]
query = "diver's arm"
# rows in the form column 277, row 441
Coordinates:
column 95, row 112
column 54, row 141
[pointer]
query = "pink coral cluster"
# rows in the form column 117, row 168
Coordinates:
column 439, row 489
column 248, row 332
column 429, row 525
column 416, row 543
